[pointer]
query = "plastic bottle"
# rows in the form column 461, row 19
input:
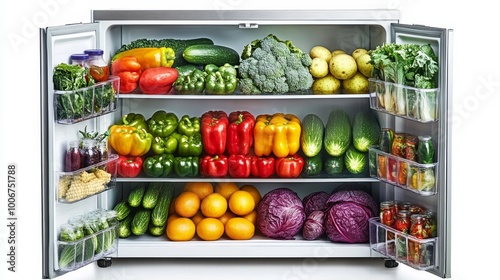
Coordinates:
column 99, row 69
column 73, row 159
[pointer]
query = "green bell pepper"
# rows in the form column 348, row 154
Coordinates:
column 222, row 81
column 190, row 145
column 159, row 165
column 186, row 166
column 162, row 124
column 134, row 119
column 188, row 126
column 192, row 83
column 165, row 145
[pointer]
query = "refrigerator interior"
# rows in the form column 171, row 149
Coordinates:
column 233, row 30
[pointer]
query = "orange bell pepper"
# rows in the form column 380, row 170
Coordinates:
column 278, row 134
column 129, row 71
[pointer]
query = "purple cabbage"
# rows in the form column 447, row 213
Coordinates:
column 280, row 214
column 315, row 201
column 314, row 225
column 348, row 215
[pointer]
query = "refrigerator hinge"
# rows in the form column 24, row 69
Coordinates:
column 248, row 25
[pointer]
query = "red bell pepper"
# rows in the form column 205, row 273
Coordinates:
column 214, row 166
column 289, row 167
column 129, row 71
column 240, row 166
column 158, row 80
column 240, row 132
column 214, row 132
column 129, row 166
column 263, row 167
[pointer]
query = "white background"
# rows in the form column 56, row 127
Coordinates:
column 476, row 101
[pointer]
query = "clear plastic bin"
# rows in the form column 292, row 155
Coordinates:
column 404, row 101
column 88, row 181
column 73, row 255
column 403, row 173
column 85, row 103
column 401, row 247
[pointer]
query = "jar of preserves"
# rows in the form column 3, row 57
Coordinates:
column 98, row 68
column 425, row 149
column 79, row 59
column 102, row 147
column 73, row 159
column 430, row 223
column 89, row 153
column 417, row 226
column 402, row 222
column 385, row 140
column 387, row 213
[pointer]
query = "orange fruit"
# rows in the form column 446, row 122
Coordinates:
column 210, row 229
column 172, row 217
column 239, row 228
column 202, row 189
column 213, row 205
column 241, row 203
column 228, row 215
column 181, row 229
column 253, row 191
column 226, row 188
column 197, row 217
column 187, row 204
column 252, row 217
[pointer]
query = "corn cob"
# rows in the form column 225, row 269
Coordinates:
column 86, row 184
column 63, row 186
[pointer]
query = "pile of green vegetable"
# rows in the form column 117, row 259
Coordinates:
column 80, row 100
column 145, row 209
column 270, row 65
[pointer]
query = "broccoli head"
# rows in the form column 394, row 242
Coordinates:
column 275, row 66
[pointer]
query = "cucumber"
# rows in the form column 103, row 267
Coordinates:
column 135, row 196
column 140, row 222
column 338, row 133
column 124, row 229
column 151, row 195
column 122, row 210
column 355, row 161
column 312, row 165
column 160, row 212
column 311, row 137
column 365, row 130
column 333, row 165
column 211, row 54
column 157, row 231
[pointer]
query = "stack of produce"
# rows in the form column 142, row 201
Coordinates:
column 145, row 209
column 210, row 212
column 337, row 71
column 86, row 238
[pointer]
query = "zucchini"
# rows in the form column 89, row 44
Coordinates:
column 356, row 161
column 211, row 54
column 135, row 196
column 365, row 130
column 159, row 214
column 151, row 195
column 124, row 229
column 312, row 165
column 311, row 137
column 122, row 210
column 338, row 133
column 140, row 222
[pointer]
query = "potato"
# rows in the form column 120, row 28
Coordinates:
column 364, row 65
column 319, row 68
column 357, row 52
column 326, row 85
column 334, row 52
column 343, row 66
column 357, row 84
column 320, row 52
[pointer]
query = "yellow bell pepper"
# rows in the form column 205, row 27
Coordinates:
column 150, row 57
column 129, row 141
column 278, row 134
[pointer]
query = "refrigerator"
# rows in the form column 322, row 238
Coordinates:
column 336, row 29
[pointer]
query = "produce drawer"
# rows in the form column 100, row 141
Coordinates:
column 403, row 173
column 404, row 101
column 73, row 255
column 401, row 247
column 85, row 103
column 88, row 181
